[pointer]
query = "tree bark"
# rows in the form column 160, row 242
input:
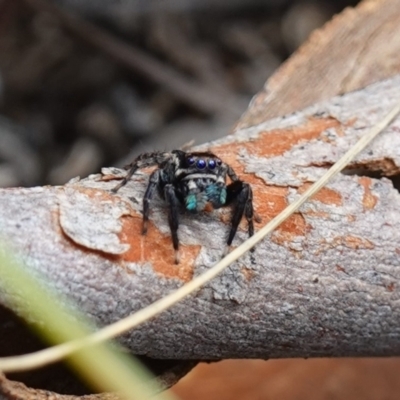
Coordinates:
column 324, row 284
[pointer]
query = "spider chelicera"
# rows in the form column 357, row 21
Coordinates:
column 193, row 180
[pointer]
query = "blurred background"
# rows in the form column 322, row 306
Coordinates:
column 130, row 76
column 123, row 77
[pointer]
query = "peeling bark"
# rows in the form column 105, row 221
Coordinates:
column 326, row 283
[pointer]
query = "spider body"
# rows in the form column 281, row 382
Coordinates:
column 192, row 180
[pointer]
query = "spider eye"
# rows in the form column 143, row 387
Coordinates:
column 190, row 160
column 219, row 162
column 212, row 164
column 200, row 164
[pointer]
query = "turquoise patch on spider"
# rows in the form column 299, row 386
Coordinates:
column 191, row 202
column 201, row 201
column 211, row 191
column 222, row 196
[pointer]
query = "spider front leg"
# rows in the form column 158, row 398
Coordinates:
column 142, row 161
column 240, row 193
column 153, row 183
column 173, row 208
column 232, row 174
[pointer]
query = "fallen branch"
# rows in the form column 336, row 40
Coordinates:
column 124, row 325
column 323, row 284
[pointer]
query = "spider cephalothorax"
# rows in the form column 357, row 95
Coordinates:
column 193, row 180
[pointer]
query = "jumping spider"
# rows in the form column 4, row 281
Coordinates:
column 192, row 180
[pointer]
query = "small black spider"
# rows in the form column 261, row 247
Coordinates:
column 192, row 180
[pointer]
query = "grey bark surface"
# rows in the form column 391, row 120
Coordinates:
column 326, row 285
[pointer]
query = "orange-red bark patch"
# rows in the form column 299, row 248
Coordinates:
column 349, row 241
column 317, row 214
column 269, row 201
column 248, row 274
column 294, row 226
column 325, row 195
column 356, row 242
column 277, row 141
column 274, row 142
column 369, row 199
column 156, row 249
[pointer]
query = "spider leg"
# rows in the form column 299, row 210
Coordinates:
column 142, row 161
column 240, row 193
column 153, row 183
column 173, row 207
column 249, row 211
column 125, row 180
column 232, row 174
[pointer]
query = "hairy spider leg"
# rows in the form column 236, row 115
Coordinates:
column 173, row 206
column 153, row 184
column 249, row 211
column 231, row 173
column 142, row 161
column 125, row 180
column 240, row 193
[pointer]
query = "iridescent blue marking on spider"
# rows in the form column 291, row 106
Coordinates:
column 211, row 191
column 191, row 202
column 216, row 194
column 222, row 196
